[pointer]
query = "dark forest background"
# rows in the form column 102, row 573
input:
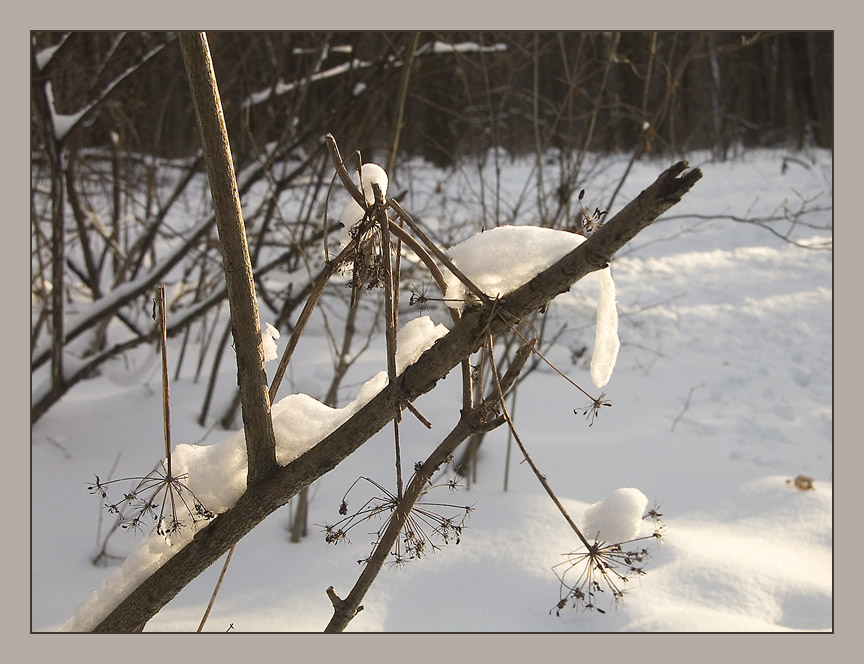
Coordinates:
column 573, row 90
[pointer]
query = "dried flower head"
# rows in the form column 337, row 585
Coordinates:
column 158, row 497
column 418, row 296
column 367, row 269
column 599, row 568
column 588, row 222
column 802, row 483
column 593, row 409
column 426, row 528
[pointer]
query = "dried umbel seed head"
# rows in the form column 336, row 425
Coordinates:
column 599, row 568
column 425, row 529
column 587, row 222
column 592, row 410
column 165, row 499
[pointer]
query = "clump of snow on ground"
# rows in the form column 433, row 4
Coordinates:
column 618, row 518
column 500, row 260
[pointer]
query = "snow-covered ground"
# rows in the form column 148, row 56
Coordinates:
column 721, row 396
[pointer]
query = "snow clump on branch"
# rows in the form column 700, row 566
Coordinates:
column 216, row 473
column 500, row 260
column 352, row 213
column 268, row 339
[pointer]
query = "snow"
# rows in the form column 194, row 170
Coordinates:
column 283, row 87
column 437, row 47
column 84, row 319
column 63, row 123
column 500, row 260
column 606, row 341
column 414, row 338
column 153, row 552
column 370, row 174
column 462, row 47
column 268, row 339
column 722, row 394
column 43, row 57
column 618, row 518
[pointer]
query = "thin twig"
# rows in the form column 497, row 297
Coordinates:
column 300, row 325
column 686, row 405
column 349, row 184
column 540, row 476
column 554, row 368
column 166, row 412
column 216, row 588
column 390, row 327
column 440, row 255
column 403, row 95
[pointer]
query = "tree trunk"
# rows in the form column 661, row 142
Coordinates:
column 245, row 327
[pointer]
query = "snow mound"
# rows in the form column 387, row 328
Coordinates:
column 415, row 337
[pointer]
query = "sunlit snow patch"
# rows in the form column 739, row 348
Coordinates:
column 500, row 260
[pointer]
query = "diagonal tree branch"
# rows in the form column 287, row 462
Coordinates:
column 274, row 490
